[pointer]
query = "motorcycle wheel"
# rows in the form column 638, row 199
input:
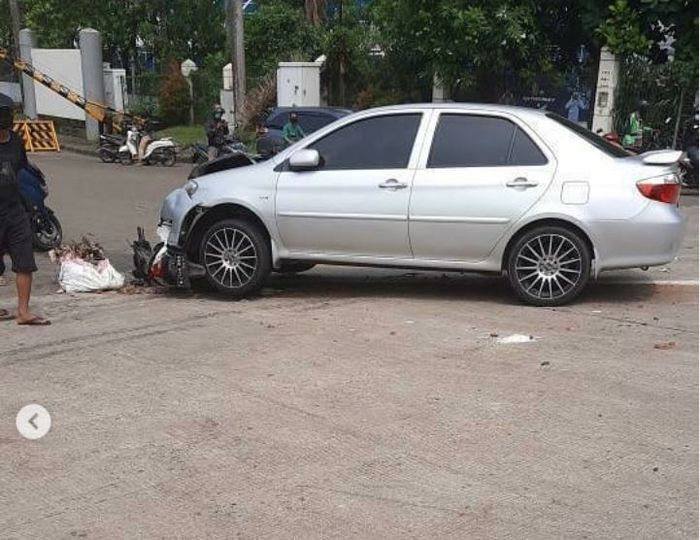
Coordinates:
column 168, row 158
column 49, row 234
column 106, row 156
column 125, row 158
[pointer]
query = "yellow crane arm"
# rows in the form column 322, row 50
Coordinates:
column 99, row 112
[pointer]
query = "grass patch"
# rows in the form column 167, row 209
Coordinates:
column 184, row 135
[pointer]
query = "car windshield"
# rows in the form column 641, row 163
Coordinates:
column 599, row 142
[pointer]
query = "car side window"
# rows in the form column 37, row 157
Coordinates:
column 380, row 142
column 463, row 140
column 313, row 122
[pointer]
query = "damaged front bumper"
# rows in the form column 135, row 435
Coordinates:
column 169, row 265
column 172, row 268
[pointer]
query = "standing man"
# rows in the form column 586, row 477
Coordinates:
column 292, row 132
column 574, row 106
column 217, row 130
column 15, row 231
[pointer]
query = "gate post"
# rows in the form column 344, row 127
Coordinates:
column 608, row 79
column 93, row 78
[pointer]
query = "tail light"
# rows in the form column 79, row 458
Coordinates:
column 665, row 189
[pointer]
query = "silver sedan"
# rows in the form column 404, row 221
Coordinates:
column 464, row 187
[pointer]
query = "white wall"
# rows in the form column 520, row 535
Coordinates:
column 11, row 89
column 299, row 84
column 64, row 66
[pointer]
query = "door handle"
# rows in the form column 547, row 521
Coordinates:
column 392, row 183
column 521, row 182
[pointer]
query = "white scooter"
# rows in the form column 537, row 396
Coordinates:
column 158, row 150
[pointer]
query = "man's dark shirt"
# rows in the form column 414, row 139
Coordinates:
column 216, row 132
column 13, row 158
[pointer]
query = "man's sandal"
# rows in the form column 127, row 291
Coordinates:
column 35, row 321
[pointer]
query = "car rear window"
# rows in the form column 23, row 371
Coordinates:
column 464, row 140
column 599, row 142
column 277, row 121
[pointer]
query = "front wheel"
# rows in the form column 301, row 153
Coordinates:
column 48, row 233
column 168, row 158
column 236, row 257
column 125, row 158
column 549, row 266
column 106, row 156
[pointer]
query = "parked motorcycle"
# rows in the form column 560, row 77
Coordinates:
column 231, row 146
column 161, row 151
column 108, row 150
column 46, row 229
column 689, row 164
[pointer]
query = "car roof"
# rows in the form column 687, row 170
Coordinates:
column 490, row 107
column 333, row 110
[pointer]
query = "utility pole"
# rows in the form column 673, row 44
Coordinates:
column 234, row 26
column 16, row 18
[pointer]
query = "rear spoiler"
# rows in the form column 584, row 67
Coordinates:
column 661, row 157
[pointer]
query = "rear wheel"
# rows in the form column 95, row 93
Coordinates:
column 549, row 266
column 236, row 257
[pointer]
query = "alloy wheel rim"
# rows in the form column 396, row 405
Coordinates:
column 549, row 266
column 230, row 257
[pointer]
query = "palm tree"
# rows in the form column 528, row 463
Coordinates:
column 315, row 11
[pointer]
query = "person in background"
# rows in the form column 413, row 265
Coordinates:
column 574, row 106
column 15, row 230
column 292, row 131
column 635, row 129
column 217, row 130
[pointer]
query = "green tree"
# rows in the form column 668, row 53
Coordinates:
column 278, row 32
column 174, row 96
column 460, row 41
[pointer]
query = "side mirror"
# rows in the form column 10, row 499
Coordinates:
column 304, row 160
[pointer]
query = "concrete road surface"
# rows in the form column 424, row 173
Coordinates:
column 345, row 403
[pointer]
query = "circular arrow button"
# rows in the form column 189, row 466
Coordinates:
column 33, row 421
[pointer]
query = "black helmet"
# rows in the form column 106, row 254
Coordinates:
column 6, row 102
column 7, row 108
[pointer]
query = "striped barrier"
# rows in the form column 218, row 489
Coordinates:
column 38, row 136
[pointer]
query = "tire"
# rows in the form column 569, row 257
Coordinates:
column 125, row 158
column 544, row 274
column 294, row 268
column 106, row 156
column 236, row 257
column 168, row 158
column 52, row 236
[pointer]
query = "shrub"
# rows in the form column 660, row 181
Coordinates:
column 174, row 97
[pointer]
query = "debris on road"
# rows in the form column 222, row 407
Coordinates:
column 545, row 363
column 83, row 267
column 515, row 338
column 147, row 261
column 665, row 346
